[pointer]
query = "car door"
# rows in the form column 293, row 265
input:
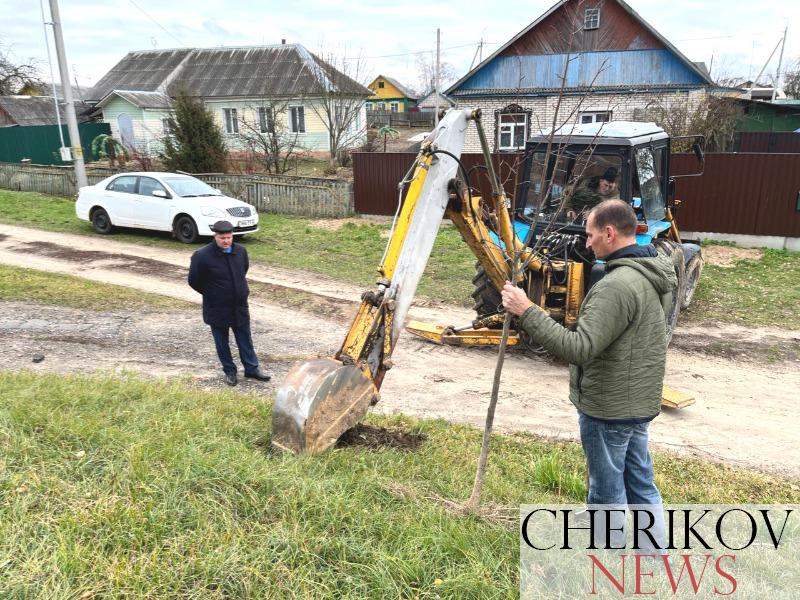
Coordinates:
column 118, row 198
column 149, row 210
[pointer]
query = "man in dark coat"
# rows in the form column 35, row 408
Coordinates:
column 218, row 272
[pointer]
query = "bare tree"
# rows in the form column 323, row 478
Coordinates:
column 17, row 77
column 791, row 80
column 266, row 134
column 340, row 107
column 426, row 74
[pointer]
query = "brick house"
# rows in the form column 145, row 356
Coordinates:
column 615, row 66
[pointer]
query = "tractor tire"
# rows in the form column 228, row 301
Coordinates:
column 693, row 270
column 487, row 299
column 675, row 252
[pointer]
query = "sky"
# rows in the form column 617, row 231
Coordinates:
column 381, row 38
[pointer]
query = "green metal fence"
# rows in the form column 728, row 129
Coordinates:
column 41, row 143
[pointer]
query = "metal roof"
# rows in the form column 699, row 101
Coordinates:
column 400, row 87
column 138, row 99
column 284, row 70
column 37, row 110
column 627, row 133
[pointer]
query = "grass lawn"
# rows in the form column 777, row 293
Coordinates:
column 755, row 292
column 29, row 285
column 126, row 488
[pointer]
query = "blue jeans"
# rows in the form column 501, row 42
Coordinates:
column 620, row 468
column 245, row 343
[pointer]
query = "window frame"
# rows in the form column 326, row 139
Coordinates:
column 230, row 119
column 294, row 127
column 135, row 189
column 394, row 107
column 591, row 19
column 160, row 185
column 168, row 125
column 510, row 128
column 594, row 114
column 266, row 119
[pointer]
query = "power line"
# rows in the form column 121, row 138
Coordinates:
column 421, row 51
column 160, row 26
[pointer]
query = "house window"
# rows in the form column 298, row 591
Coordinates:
column 266, row 120
column 591, row 18
column 394, row 107
column 380, row 106
column 598, row 116
column 369, row 106
column 297, row 119
column 168, row 126
column 512, row 130
column 231, row 120
column 380, row 85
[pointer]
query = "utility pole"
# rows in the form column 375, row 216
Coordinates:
column 780, row 60
column 69, row 109
column 436, row 79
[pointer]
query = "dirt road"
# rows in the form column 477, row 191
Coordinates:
column 745, row 412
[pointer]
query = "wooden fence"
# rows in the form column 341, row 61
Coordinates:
column 278, row 194
column 379, row 118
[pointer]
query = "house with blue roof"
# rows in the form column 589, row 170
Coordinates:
column 583, row 61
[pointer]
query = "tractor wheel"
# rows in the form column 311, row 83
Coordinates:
column 487, row 299
column 675, row 252
column 693, row 270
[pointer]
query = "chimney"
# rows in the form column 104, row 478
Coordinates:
column 283, row 40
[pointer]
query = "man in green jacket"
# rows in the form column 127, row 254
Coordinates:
column 617, row 355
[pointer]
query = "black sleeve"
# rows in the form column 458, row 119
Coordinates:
column 197, row 276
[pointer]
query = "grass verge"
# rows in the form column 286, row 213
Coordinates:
column 121, row 487
column 39, row 287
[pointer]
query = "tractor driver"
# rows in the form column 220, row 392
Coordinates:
column 591, row 191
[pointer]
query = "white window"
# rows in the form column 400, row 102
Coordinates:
column 168, row 126
column 512, row 131
column 231, row 120
column 394, row 106
column 591, row 18
column 380, row 106
column 597, row 116
column 266, row 120
column 369, row 106
column 297, row 119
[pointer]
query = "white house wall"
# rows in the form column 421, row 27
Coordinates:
column 148, row 128
column 543, row 109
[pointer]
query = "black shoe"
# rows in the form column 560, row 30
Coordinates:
column 230, row 379
column 259, row 374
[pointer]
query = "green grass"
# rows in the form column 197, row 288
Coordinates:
column 753, row 292
column 135, row 489
column 39, row 287
column 762, row 292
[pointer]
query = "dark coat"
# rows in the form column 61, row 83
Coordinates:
column 221, row 278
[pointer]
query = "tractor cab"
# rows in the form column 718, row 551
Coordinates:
column 636, row 154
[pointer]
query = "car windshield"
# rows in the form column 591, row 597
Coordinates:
column 189, row 187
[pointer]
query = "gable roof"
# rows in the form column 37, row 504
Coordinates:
column 651, row 41
column 138, row 99
column 400, row 87
column 37, row 110
column 433, row 99
column 275, row 71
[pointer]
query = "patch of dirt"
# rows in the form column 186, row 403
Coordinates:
column 726, row 256
column 763, row 345
column 335, row 224
column 136, row 264
column 378, row 438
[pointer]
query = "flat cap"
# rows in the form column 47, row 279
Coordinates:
column 222, row 227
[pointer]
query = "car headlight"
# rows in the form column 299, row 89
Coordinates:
column 211, row 211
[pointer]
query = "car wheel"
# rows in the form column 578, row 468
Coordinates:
column 101, row 221
column 186, row 230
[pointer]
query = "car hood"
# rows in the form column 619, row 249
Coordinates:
column 216, row 201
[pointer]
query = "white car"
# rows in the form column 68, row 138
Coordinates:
column 181, row 204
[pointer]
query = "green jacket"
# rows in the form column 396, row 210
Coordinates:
column 617, row 353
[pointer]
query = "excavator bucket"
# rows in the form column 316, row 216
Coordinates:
column 319, row 400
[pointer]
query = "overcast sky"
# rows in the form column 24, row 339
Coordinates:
column 738, row 34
